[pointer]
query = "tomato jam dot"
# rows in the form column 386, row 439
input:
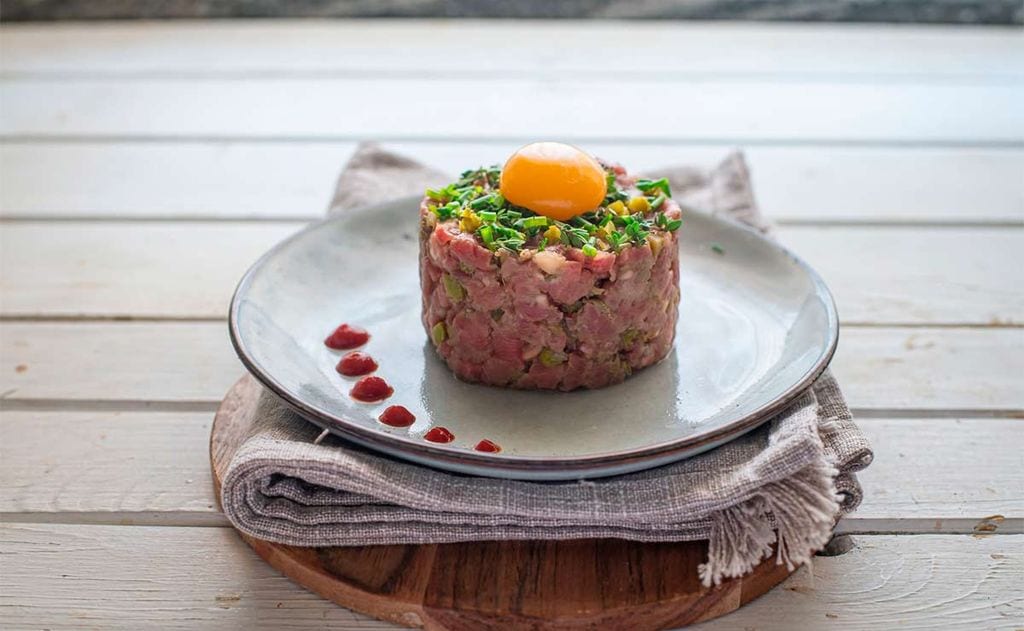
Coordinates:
column 488, row 446
column 439, row 435
column 356, row 364
column 371, row 390
column 347, row 337
column 397, row 416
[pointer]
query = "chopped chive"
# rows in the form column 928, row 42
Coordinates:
column 717, row 248
column 623, row 217
column 480, row 202
column 487, row 234
column 648, row 186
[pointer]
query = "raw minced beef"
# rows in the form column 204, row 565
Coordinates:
column 554, row 319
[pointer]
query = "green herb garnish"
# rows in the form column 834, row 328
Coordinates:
column 717, row 249
column 665, row 223
column 625, row 217
column 649, row 186
column 487, row 236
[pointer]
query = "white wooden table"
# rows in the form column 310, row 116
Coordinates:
column 144, row 166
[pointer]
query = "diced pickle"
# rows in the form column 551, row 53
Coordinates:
column 469, row 222
column 629, row 336
column 438, row 334
column 453, row 288
column 550, row 358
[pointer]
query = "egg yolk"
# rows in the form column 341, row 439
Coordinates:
column 553, row 179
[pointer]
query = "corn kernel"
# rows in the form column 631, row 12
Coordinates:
column 639, row 205
column 618, row 208
column 655, row 243
column 552, row 234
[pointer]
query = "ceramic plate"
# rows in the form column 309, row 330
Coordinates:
column 756, row 326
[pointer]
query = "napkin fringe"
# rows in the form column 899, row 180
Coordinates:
column 796, row 515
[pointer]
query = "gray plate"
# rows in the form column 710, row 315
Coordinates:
column 756, row 326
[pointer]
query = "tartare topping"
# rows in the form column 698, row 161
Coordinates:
column 356, row 364
column 371, row 390
column 483, row 203
column 552, row 179
column 439, row 435
column 397, row 416
column 347, row 337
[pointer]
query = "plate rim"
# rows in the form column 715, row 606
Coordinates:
column 498, row 464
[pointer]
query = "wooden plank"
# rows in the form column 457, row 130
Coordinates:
column 929, row 475
column 123, row 362
column 497, row 48
column 100, row 269
column 64, row 577
column 460, row 108
column 916, row 275
column 295, row 180
column 114, row 577
column 932, row 368
column 107, row 462
column 169, row 362
column 941, row 475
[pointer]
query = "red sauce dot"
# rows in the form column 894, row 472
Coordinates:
column 397, row 416
column 488, row 446
column 439, row 435
column 371, row 390
column 347, row 337
column 356, row 364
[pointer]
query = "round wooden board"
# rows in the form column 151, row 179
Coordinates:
column 581, row 584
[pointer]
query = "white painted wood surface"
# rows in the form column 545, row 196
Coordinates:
column 294, row 180
column 69, row 576
column 131, row 153
column 917, row 274
column 191, row 365
column 301, row 108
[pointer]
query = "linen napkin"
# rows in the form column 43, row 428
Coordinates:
column 784, row 483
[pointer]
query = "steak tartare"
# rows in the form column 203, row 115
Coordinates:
column 517, row 299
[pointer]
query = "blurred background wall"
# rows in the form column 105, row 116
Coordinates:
column 1007, row 12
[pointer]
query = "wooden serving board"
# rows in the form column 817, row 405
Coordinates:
column 581, row 584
